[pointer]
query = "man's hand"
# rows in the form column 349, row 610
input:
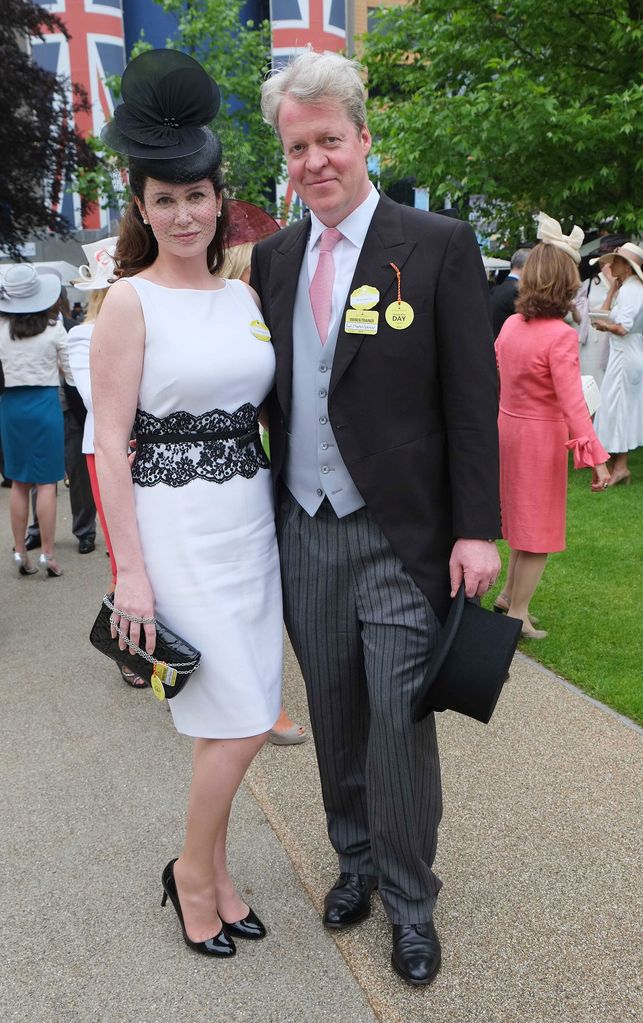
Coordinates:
column 478, row 562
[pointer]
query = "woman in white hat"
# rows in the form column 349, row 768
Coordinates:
column 619, row 420
column 95, row 278
column 33, row 344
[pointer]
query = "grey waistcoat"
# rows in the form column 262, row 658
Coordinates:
column 314, row 467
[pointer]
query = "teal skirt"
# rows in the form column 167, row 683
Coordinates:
column 33, row 434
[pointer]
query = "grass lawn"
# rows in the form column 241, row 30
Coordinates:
column 590, row 597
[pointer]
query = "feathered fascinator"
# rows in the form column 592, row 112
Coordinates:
column 168, row 99
column 550, row 232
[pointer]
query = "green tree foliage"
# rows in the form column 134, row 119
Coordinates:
column 237, row 55
column 40, row 146
column 522, row 104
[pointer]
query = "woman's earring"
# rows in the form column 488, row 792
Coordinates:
column 219, row 213
column 146, row 221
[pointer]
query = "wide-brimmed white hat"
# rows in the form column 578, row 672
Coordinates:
column 631, row 253
column 98, row 272
column 25, row 289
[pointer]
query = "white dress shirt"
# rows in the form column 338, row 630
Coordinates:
column 346, row 252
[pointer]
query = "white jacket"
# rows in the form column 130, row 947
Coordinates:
column 34, row 361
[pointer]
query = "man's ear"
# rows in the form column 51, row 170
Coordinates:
column 365, row 139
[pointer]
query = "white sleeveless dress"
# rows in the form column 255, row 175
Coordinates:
column 205, row 508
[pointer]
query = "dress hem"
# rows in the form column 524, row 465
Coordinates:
column 247, row 733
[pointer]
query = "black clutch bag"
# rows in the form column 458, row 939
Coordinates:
column 167, row 670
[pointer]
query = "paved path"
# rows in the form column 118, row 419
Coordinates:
column 540, row 851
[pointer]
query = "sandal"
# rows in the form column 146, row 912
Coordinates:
column 501, row 607
column 289, row 736
column 132, row 679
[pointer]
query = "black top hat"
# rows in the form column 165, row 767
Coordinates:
column 168, row 98
column 470, row 663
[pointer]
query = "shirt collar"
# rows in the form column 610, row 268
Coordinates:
column 353, row 227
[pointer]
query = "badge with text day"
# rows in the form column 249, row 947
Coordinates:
column 399, row 315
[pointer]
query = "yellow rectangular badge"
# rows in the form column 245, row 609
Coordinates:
column 361, row 321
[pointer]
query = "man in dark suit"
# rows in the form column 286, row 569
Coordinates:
column 503, row 297
column 384, row 451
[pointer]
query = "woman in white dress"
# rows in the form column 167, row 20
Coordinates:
column 96, row 276
column 619, row 420
column 594, row 344
column 181, row 356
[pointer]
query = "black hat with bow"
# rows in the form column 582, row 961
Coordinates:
column 168, row 101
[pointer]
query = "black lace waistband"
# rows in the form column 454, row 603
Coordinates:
column 182, row 447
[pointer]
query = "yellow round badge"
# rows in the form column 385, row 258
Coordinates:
column 399, row 315
column 157, row 688
column 365, row 297
column 260, row 331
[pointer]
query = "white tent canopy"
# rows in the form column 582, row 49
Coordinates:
column 491, row 263
column 66, row 271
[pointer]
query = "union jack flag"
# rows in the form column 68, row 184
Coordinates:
column 96, row 49
column 297, row 24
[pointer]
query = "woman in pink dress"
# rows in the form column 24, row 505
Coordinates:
column 542, row 415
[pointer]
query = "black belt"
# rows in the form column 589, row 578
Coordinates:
column 242, row 437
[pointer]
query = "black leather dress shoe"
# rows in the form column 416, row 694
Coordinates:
column 86, row 545
column 32, row 542
column 416, row 952
column 250, row 927
column 349, row 900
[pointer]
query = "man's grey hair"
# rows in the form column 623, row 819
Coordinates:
column 519, row 258
column 312, row 77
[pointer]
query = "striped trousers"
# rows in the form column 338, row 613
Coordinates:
column 362, row 632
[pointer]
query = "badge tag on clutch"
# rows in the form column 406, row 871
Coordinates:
column 157, row 685
column 399, row 315
column 365, row 297
column 361, row 321
column 259, row 330
column 162, row 675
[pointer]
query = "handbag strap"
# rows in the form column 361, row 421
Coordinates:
column 183, row 668
column 123, row 614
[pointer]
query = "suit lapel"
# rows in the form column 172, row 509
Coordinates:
column 384, row 244
column 285, row 264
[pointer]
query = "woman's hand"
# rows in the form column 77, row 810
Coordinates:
column 134, row 598
column 600, row 476
column 611, row 328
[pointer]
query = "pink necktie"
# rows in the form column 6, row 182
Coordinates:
column 321, row 286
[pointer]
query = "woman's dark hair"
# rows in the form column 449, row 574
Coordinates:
column 23, row 325
column 548, row 284
column 137, row 248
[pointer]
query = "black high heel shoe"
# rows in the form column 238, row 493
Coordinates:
column 220, row 945
column 250, row 927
